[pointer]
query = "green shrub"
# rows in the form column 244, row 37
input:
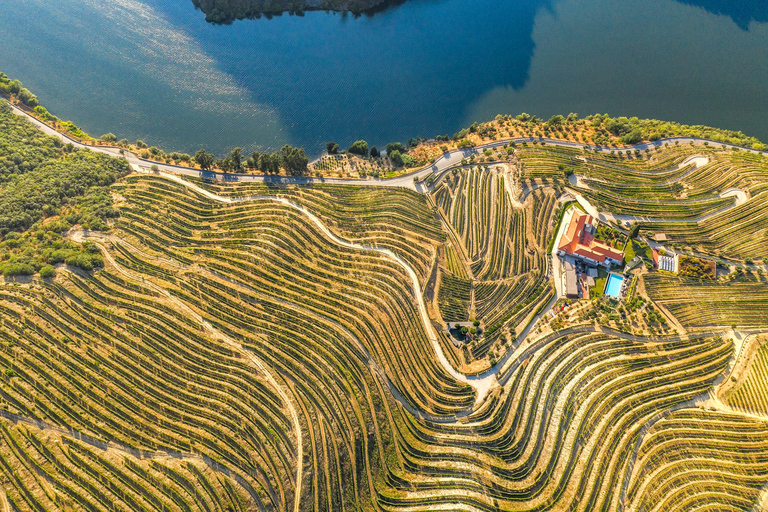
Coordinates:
column 359, row 147
column 47, row 272
column 85, row 260
column 397, row 158
column 632, row 137
column 409, row 161
column 18, row 269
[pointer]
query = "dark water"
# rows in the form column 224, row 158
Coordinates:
column 155, row 70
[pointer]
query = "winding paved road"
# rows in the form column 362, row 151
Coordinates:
column 406, row 181
column 581, row 182
column 481, row 383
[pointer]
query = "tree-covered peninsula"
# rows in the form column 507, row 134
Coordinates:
column 226, row 11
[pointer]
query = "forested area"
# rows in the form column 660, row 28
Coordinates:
column 47, row 187
column 226, row 11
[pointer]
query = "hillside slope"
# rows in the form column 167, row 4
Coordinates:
column 265, row 347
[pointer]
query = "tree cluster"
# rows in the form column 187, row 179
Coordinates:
column 395, row 146
column 45, row 189
column 359, row 147
column 292, row 159
column 226, row 11
column 15, row 87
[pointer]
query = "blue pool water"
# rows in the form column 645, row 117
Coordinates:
column 613, row 286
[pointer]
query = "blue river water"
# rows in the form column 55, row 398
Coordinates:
column 155, row 70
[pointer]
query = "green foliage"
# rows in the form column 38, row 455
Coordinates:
column 690, row 266
column 18, row 269
column 202, row 157
column 461, row 134
column 252, row 162
column 39, row 179
column 332, row 148
column 46, row 116
column 409, row 161
column 23, row 148
column 294, row 160
column 72, row 129
column 633, row 130
column 609, row 235
column 556, row 121
column 45, row 190
column 236, row 158
column 396, row 157
column 27, row 98
column 41, row 247
column 359, row 147
column 84, row 260
column 632, row 137
column 269, row 164
column 24, row 95
column 232, row 163
column 619, row 126
column 47, row 272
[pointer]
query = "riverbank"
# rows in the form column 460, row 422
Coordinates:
column 477, row 144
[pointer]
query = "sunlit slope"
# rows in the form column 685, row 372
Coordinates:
column 280, row 348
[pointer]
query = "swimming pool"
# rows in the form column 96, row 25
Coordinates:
column 613, row 286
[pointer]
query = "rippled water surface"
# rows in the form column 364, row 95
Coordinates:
column 155, row 70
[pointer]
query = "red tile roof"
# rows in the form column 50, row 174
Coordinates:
column 578, row 243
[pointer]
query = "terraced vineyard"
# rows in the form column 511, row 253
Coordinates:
column 492, row 233
column 698, row 460
column 751, row 395
column 699, row 304
column 695, row 207
column 454, row 298
column 263, row 347
column 504, row 247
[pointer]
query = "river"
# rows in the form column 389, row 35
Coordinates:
column 155, row 70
